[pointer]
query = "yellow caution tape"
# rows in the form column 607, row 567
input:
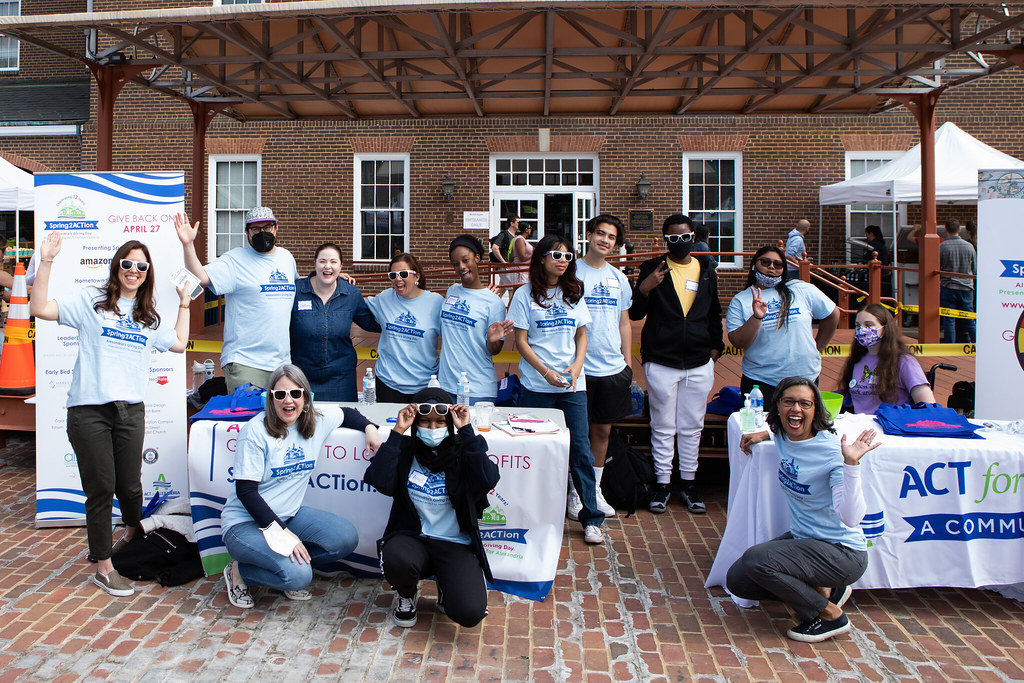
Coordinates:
column 947, row 312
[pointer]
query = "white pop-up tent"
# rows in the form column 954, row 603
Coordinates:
column 17, row 193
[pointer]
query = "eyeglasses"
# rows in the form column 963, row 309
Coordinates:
column 279, row 394
column 427, row 408
column 395, row 274
column 141, row 266
column 790, row 402
column 771, row 263
column 561, row 255
column 682, row 237
column 257, row 227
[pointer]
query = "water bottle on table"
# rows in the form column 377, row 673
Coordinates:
column 757, row 403
column 463, row 394
column 369, row 388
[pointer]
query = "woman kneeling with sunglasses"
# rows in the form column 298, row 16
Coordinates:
column 439, row 478
column 265, row 526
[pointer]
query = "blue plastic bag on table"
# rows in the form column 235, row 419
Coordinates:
column 925, row 419
column 246, row 402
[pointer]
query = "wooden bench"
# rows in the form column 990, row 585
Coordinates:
column 714, row 442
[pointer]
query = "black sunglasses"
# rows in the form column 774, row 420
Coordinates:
column 427, row 408
column 769, row 263
column 560, row 255
column 682, row 237
column 127, row 263
column 279, row 394
column 395, row 274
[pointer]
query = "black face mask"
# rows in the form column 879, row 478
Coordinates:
column 262, row 241
column 679, row 250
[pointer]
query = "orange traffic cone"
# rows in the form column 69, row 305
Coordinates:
column 17, row 362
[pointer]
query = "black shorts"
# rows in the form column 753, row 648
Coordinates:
column 608, row 398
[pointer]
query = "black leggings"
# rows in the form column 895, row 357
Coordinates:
column 407, row 559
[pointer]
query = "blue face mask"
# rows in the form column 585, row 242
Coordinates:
column 432, row 437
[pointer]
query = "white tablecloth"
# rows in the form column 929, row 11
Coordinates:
column 522, row 528
column 940, row 512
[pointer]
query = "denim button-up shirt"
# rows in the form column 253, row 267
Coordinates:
column 321, row 338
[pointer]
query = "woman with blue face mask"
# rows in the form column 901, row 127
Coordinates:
column 438, row 478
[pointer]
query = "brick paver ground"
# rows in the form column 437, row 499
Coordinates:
column 634, row 608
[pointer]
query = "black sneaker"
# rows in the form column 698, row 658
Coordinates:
column 816, row 630
column 404, row 614
column 659, row 499
column 691, row 498
column 839, row 595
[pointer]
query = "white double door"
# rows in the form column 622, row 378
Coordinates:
column 561, row 213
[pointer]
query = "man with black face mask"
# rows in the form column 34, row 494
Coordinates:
column 679, row 344
column 258, row 284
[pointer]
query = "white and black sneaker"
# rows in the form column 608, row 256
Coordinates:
column 659, row 499
column 839, row 595
column 817, row 630
column 238, row 592
column 691, row 498
column 404, row 614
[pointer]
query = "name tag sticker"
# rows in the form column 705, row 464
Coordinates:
column 452, row 300
column 612, row 283
column 691, row 286
column 305, row 305
column 110, row 315
column 534, row 306
column 417, row 479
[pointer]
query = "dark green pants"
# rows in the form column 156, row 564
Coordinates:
column 107, row 440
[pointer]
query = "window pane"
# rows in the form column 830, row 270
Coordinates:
column 536, row 178
column 696, row 171
column 536, row 164
column 519, row 178
column 504, row 179
column 586, row 164
column 727, row 172
column 552, row 164
column 586, row 178
column 568, row 164
column 367, row 172
column 519, row 164
column 503, row 165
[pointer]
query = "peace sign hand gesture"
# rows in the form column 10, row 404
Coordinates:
column 757, row 305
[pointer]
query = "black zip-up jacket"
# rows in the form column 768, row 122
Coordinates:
column 388, row 472
column 670, row 338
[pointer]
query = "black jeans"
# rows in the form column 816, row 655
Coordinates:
column 107, row 440
column 406, row 559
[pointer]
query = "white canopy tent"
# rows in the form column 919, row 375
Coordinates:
column 17, row 193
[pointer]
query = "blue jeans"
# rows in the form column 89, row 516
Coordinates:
column 326, row 536
column 581, row 460
column 961, row 300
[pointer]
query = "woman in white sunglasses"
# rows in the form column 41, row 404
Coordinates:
column 118, row 329
column 439, row 478
column 265, row 526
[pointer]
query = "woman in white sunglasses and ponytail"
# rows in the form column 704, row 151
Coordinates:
column 118, row 329
column 273, row 539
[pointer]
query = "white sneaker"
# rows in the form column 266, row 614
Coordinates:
column 301, row 595
column 602, row 504
column 238, row 592
column 593, row 534
column 573, row 505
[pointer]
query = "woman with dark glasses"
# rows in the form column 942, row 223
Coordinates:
column 550, row 318
column 118, row 329
column 410, row 321
column 438, row 478
column 273, row 539
column 771, row 320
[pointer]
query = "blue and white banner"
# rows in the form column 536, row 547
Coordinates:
column 96, row 213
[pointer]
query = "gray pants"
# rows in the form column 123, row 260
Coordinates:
column 236, row 374
column 107, row 440
column 788, row 569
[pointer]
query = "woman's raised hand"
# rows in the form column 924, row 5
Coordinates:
column 50, row 247
column 460, row 415
column 499, row 330
column 405, row 418
column 186, row 233
column 853, row 452
column 758, row 306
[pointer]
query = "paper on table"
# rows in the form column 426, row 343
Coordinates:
column 530, row 424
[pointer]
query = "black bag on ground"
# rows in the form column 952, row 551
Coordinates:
column 961, row 398
column 628, row 479
column 162, row 555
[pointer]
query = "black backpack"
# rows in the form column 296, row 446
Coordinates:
column 628, row 479
column 162, row 555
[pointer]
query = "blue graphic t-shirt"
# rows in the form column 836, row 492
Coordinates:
column 114, row 351
column 258, row 290
column 777, row 352
column 608, row 296
column 551, row 333
column 281, row 466
column 408, row 340
column 807, row 472
column 465, row 316
column 429, row 496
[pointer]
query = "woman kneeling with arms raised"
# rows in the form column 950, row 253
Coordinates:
column 439, row 478
column 810, row 567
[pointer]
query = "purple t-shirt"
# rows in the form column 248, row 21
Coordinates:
column 862, row 391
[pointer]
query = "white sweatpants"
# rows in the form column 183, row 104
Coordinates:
column 678, row 400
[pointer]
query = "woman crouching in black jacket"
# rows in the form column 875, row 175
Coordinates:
column 439, row 479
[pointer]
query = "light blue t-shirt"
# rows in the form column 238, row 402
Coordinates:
column 551, row 331
column 608, row 296
column 407, row 348
column 777, row 353
column 465, row 316
column 258, row 290
column 114, row 351
column 807, row 471
column 429, row 496
column 794, row 248
column 281, row 466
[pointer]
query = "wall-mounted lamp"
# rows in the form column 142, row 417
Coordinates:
column 643, row 187
column 448, row 187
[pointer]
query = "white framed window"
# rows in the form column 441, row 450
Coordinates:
column 235, row 182
column 10, row 49
column 859, row 216
column 381, row 206
column 547, row 170
column 713, row 195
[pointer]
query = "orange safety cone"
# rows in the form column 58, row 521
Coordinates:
column 17, row 362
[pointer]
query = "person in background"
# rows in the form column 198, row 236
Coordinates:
column 810, row 567
column 501, row 248
column 881, row 368
column 551, row 318
column 257, row 281
column 700, row 234
column 438, row 477
column 118, row 329
column 771, row 320
column 795, row 247
column 679, row 344
column 473, row 325
column 321, row 324
column 956, row 255
column 876, row 245
column 522, row 250
column 608, row 364
column 273, row 539
column 410, row 320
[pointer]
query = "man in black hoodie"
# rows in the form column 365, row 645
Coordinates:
column 680, row 342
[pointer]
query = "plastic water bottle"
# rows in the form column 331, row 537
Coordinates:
column 369, row 388
column 433, row 382
column 757, row 403
column 463, row 394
